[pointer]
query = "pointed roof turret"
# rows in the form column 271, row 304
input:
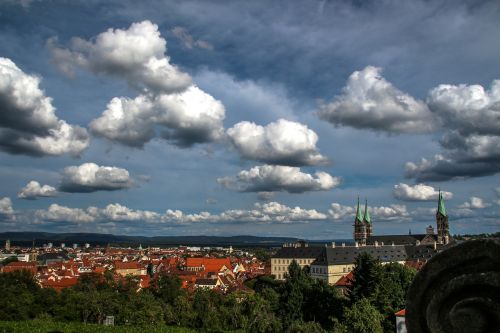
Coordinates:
column 441, row 207
column 359, row 216
column 367, row 217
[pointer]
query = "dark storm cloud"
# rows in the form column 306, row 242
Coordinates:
column 470, row 116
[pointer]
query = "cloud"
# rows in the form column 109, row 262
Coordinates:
column 474, row 203
column 418, row 192
column 282, row 142
column 168, row 105
column 185, row 119
column 271, row 212
column 34, row 190
column 381, row 213
column 188, row 41
column 392, row 212
column 368, row 101
column 341, row 212
column 274, row 178
column 112, row 212
column 469, row 109
column 136, row 54
column 265, row 196
column 57, row 213
column 28, row 124
column 117, row 212
column 6, row 206
column 90, row 177
column 471, row 117
column 463, row 157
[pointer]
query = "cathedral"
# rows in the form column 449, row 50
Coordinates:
column 363, row 230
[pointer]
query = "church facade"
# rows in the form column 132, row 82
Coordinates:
column 441, row 237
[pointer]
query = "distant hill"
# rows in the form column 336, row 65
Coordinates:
column 40, row 238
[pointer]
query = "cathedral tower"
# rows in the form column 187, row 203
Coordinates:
column 442, row 222
column 359, row 227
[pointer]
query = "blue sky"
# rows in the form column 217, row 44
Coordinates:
column 230, row 118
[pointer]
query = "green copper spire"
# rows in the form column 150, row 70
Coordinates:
column 359, row 216
column 367, row 217
column 441, row 207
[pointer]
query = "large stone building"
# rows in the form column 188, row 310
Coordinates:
column 332, row 262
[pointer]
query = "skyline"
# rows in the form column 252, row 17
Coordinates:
column 248, row 118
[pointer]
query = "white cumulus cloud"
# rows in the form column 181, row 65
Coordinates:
column 34, row 190
column 282, row 142
column 28, row 123
column 90, row 177
column 340, row 212
column 474, row 203
column 6, row 206
column 368, row 101
column 184, row 118
column 136, row 54
column 467, row 108
column 271, row 178
column 418, row 192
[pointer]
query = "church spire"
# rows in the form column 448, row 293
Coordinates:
column 359, row 216
column 442, row 221
column 441, row 207
column 366, row 217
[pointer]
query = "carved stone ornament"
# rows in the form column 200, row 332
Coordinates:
column 457, row 291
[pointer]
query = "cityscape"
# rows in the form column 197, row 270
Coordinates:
column 234, row 166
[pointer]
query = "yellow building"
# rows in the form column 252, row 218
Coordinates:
column 300, row 252
column 335, row 262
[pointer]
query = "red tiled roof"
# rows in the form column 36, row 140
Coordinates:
column 346, row 280
column 20, row 265
column 210, row 264
column 401, row 313
column 127, row 265
column 60, row 284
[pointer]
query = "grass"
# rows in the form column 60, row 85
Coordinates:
column 46, row 326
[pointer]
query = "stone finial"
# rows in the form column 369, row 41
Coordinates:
column 458, row 291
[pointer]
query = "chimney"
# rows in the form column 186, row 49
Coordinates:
column 343, row 244
column 333, row 245
column 392, row 244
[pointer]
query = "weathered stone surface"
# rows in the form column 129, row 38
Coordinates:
column 457, row 291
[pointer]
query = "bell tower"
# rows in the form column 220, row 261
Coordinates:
column 443, row 234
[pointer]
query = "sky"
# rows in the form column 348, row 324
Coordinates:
column 248, row 117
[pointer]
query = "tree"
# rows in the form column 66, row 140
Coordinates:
column 362, row 317
column 390, row 294
column 166, row 287
column 367, row 275
column 292, row 291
